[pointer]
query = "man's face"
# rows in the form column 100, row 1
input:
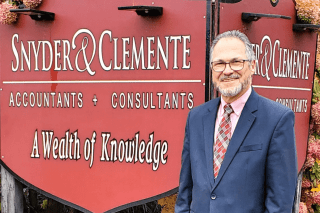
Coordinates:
column 232, row 83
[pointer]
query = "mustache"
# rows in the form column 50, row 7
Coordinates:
column 225, row 77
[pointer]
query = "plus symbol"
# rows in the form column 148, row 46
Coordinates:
column 94, row 100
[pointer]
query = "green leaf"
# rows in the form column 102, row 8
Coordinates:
column 316, row 88
column 44, row 204
column 315, row 173
column 312, row 176
column 316, row 136
column 317, row 208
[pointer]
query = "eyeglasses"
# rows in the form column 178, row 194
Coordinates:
column 220, row 66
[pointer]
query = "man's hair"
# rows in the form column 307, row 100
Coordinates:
column 235, row 34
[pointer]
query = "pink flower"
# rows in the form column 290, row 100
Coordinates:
column 6, row 17
column 309, row 162
column 308, row 10
column 316, row 197
column 309, row 202
column 306, row 183
column 303, row 208
column 314, row 149
column 32, row 3
column 315, row 113
column 307, row 199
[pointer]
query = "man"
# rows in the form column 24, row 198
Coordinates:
column 239, row 152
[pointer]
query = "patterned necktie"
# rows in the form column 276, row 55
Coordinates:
column 222, row 139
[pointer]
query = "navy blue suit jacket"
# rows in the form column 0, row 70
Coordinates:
column 259, row 171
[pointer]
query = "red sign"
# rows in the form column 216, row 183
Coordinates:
column 285, row 58
column 94, row 103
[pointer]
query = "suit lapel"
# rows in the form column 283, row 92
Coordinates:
column 243, row 126
column 209, row 126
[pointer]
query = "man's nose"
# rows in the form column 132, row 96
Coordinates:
column 227, row 70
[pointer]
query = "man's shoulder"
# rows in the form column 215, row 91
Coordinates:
column 272, row 108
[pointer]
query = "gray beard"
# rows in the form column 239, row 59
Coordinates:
column 236, row 90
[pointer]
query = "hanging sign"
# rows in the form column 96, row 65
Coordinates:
column 285, row 58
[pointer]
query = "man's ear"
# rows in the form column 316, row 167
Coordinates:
column 253, row 66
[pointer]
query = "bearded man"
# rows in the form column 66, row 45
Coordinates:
column 239, row 153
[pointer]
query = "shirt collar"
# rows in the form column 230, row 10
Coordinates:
column 238, row 104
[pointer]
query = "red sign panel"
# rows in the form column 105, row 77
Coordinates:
column 94, row 103
column 285, row 58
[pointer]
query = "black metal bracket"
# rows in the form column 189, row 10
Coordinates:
column 144, row 10
column 303, row 27
column 249, row 17
column 37, row 15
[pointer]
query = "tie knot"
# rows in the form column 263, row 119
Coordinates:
column 228, row 109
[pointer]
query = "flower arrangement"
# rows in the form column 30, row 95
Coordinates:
column 310, row 196
column 7, row 17
column 310, row 192
column 308, row 11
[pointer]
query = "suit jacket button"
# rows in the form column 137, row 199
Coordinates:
column 213, row 197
